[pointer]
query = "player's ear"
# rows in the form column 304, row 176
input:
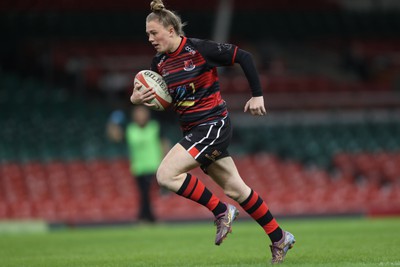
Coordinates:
column 171, row 30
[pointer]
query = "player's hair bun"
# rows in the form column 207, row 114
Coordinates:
column 156, row 6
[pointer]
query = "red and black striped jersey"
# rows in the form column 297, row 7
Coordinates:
column 191, row 75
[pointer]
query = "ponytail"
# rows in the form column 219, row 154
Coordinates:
column 165, row 17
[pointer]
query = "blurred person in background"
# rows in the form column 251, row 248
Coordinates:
column 145, row 148
column 189, row 67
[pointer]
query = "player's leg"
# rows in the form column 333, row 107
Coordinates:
column 225, row 173
column 173, row 174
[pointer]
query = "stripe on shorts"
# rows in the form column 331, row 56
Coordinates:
column 193, row 150
column 213, row 141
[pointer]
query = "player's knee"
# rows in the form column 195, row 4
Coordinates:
column 167, row 178
column 162, row 177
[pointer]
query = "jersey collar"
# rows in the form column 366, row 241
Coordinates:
column 180, row 47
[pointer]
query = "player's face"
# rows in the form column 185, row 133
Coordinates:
column 159, row 36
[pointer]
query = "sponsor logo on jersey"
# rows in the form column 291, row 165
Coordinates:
column 180, row 92
column 190, row 50
column 188, row 65
column 164, row 72
column 186, row 104
column 161, row 61
column 184, row 95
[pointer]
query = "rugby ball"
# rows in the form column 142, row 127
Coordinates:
column 151, row 79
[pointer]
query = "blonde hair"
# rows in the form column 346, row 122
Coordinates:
column 165, row 17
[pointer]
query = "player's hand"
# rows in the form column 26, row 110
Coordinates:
column 142, row 96
column 256, row 106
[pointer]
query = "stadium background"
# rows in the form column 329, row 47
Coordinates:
column 329, row 145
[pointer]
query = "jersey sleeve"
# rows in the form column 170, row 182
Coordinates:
column 246, row 61
column 216, row 54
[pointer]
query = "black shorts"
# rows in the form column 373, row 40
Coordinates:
column 208, row 142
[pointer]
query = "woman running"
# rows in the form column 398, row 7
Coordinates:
column 189, row 67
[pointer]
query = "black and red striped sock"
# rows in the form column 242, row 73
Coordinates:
column 258, row 210
column 192, row 188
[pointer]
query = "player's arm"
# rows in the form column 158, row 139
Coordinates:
column 256, row 103
column 220, row 54
column 142, row 96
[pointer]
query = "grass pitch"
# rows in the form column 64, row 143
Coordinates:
column 320, row 242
